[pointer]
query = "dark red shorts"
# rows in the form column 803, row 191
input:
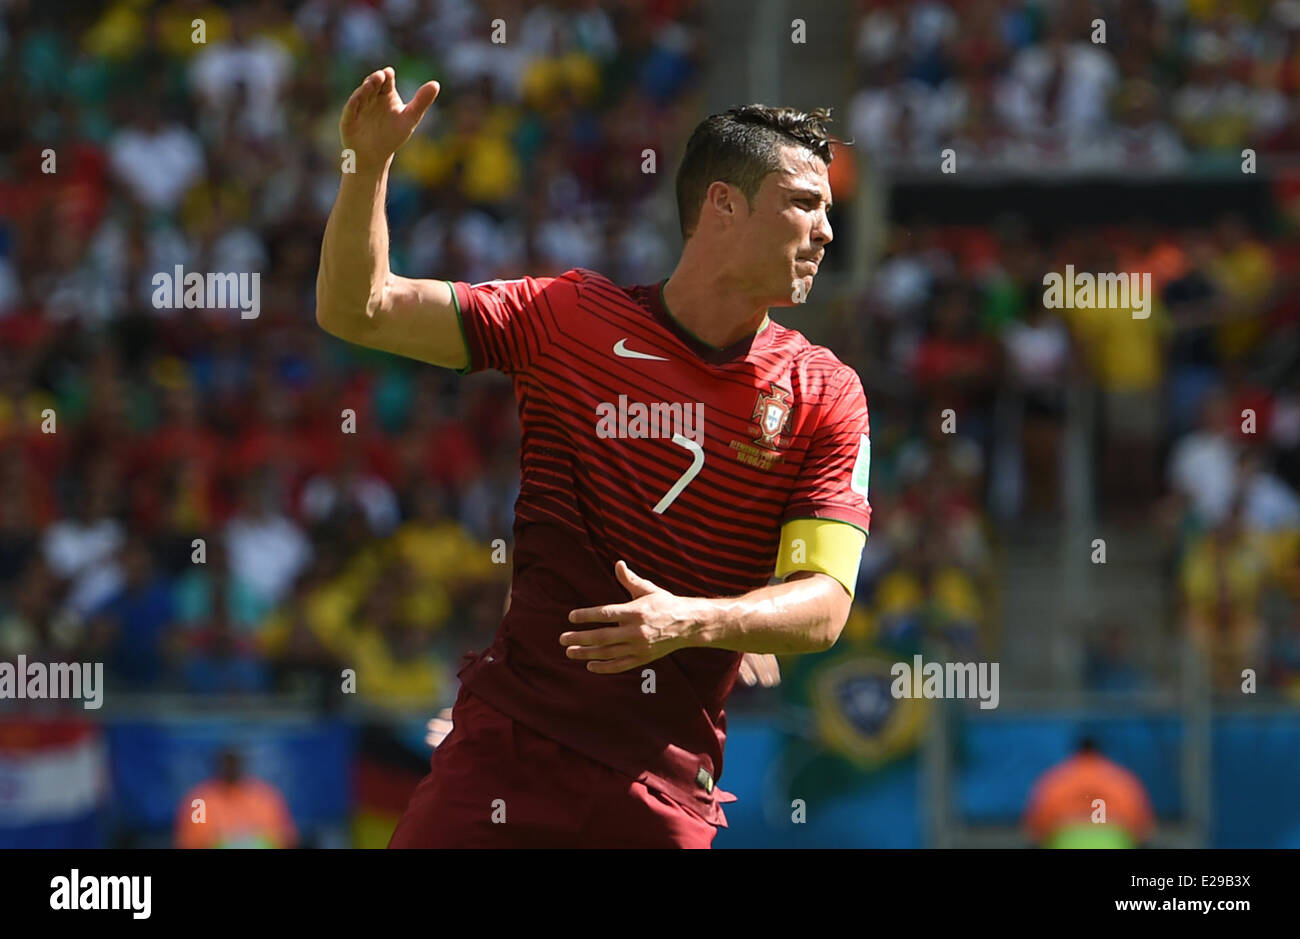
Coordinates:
column 495, row 783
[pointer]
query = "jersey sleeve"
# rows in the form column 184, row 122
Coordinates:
column 837, row 468
column 509, row 323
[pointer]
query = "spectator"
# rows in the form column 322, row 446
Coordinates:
column 1038, row 355
column 1243, row 269
column 238, row 82
column 135, row 627
column 1066, row 85
column 956, row 363
column 234, row 810
column 296, row 644
column 156, row 162
column 220, row 660
column 349, row 485
column 19, row 530
column 1223, row 576
column 1088, row 801
column 201, row 587
column 1269, row 506
column 439, row 550
column 1203, row 465
column 82, row 550
column 266, row 549
column 394, row 659
column 28, row 616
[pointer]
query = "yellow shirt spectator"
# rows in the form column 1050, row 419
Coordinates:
column 119, row 32
column 1123, row 353
column 576, row 72
column 1215, row 574
column 390, row 676
column 954, row 593
column 899, row 592
column 445, row 552
column 329, row 612
column 1246, row 273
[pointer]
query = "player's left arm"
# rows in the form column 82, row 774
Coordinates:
column 826, row 526
column 804, row 614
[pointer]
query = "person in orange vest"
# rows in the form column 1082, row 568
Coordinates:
column 233, row 810
column 1088, row 801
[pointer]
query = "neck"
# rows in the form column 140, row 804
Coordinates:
column 712, row 306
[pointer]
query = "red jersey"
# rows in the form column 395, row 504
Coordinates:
column 640, row 442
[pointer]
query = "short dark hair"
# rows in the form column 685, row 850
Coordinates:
column 740, row 147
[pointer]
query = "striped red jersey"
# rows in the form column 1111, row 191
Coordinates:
column 641, row 443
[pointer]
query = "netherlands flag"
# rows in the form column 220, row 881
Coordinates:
column 53, row 783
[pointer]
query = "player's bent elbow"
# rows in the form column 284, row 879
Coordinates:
column 348, row 327
column 334, row 324
column 324, row 319
column 340, row 311
column 830, row 633
column 328, row 316
column 826, row 637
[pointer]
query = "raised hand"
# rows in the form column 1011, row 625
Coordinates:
column 375, row 122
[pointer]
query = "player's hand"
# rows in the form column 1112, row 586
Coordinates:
column 650, row 626
column 375, row 122
column 760, row 669
column 438, row 728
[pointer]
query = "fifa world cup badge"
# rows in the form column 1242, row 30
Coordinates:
column 862, row 468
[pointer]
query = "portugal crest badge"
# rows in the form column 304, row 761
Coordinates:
column 772, row 415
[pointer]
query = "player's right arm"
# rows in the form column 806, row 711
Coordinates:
column 357, row 297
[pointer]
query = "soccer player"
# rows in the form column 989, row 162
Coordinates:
column 679, row 452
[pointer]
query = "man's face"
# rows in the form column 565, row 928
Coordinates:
column 782, row 240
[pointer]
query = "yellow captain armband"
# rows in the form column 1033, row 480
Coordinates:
column 821, row 544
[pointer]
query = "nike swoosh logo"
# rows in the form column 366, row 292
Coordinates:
column 622, row 351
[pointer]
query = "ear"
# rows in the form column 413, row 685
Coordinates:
column 720, row 199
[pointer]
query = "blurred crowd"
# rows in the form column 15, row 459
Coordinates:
column 222, row 506
column 1156, row 86
column 1194, row 428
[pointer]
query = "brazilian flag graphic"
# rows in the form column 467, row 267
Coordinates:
column 847, row 729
